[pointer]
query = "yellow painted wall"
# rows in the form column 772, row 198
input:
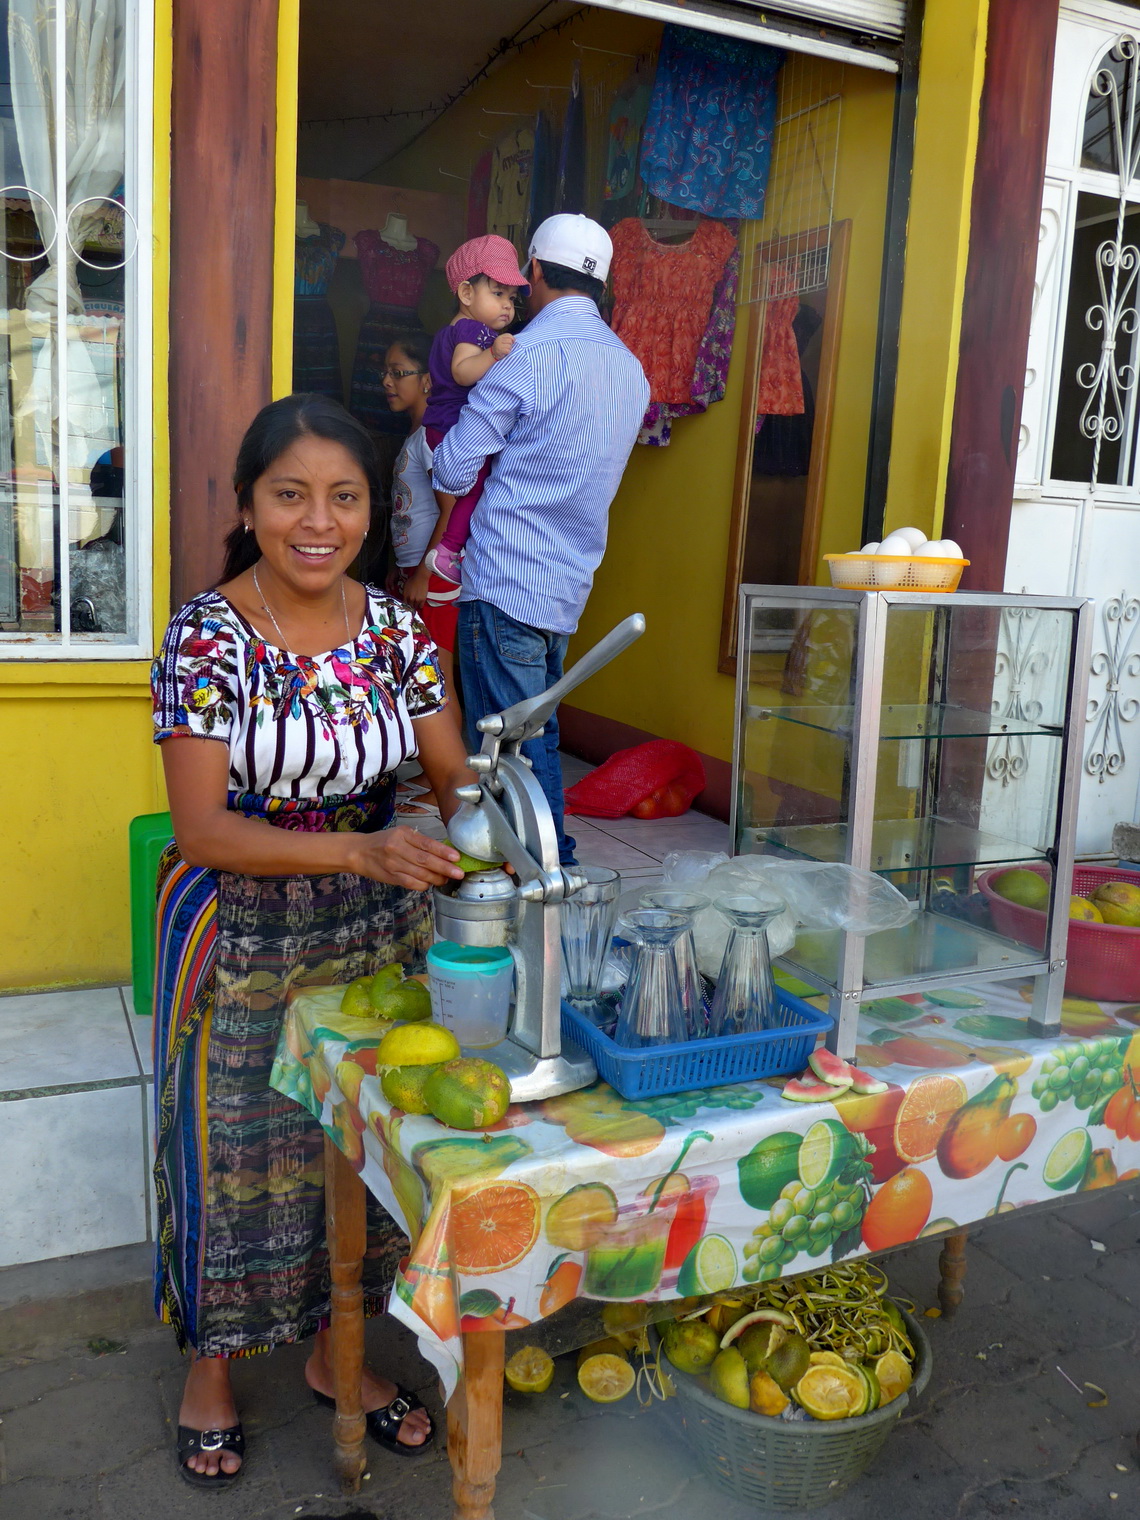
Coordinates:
column 669, row 525
column 75, row 746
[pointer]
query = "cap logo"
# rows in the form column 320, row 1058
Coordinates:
column 589, row 265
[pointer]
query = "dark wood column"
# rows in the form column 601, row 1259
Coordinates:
column 1004, row 219
column 221, row 277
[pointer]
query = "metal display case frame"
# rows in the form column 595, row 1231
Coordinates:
column 860, row 727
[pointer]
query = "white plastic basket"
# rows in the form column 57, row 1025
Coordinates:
column 894, row 572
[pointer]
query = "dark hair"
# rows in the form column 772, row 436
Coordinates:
column 558, row 277
column 417, row 346
column 275, row 429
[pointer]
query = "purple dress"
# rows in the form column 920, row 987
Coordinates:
column 448, row 397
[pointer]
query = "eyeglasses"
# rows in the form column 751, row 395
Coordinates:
column 400, row 374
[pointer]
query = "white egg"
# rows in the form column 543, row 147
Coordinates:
column 914, row 536
column 951, row 550
column 934, row 548
column 895, row 543
column 871, row 548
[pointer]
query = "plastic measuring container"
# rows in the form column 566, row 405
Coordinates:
column 470, row 989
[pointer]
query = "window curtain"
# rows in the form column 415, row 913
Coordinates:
column 94, row 119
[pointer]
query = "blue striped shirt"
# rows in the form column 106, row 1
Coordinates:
column 561, row 412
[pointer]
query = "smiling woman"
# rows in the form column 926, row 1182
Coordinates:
column 284, row 700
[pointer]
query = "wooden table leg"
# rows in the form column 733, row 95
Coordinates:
column 475, row 1427
column 952, row 1266
column 347, row 1240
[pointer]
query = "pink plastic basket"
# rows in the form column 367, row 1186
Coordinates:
column 1104, row 959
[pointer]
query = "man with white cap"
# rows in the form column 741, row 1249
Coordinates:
column 560, row 414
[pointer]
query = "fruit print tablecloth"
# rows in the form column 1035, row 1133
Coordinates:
column 591, row 1196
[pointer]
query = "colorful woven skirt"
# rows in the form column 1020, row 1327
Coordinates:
column 241, row 1261
column 316, row 348
column 382, row 326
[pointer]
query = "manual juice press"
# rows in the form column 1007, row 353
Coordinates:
column 505, row 816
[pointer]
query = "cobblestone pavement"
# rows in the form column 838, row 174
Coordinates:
column 999, row 1432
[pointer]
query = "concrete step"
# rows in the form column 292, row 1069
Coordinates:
column 46, row 1305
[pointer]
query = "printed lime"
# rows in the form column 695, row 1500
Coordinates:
column 1065, row 1164
column 710, row 1267
column 417, row 1045
column 530, row 1370
column 605, row 1378
column 576, row 1219
column 768, row 1169
column 827, row 1147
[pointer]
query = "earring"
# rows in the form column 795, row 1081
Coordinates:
column 246, row 527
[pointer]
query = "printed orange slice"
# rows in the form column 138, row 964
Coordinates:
column 493, row 1226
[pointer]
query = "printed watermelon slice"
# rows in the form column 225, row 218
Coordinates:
column 830, row 1069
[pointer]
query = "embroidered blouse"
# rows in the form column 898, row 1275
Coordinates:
column 297, row 726
column 394, row 276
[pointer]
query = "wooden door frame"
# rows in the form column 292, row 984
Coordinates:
column 840, row 234
column 223, row 204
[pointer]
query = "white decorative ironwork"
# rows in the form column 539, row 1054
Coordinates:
column 1023, row 664
column 1110, row 379
column 1105, row 754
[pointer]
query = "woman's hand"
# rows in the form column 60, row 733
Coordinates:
column 403, row 857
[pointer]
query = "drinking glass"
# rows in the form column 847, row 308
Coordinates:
column 651, row 1011
column 690, row 903
column 745, row 999
column 587, row 928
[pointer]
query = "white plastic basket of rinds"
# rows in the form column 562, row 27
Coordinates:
column 906, row 560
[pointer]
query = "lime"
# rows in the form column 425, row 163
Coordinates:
column 871, row 1378
column 468, row 863
column 1023, row 887
column 825, row 1151
column 788, row 1362
column 417, row 1045
column 827, row 1359
column 356, row 999
column 710, row 1267
column 728, row 1378
column 1065, row 1164
column 831, row 1393
column 605, row 1378
column 403, row 1086
column 405, row 1001
column 468, row 1093
column 529, row 1370
column 691, row 1347
column 769, row 1169
column 894, row 1375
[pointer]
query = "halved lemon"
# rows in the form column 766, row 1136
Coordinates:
column 893, row 1372
column 827, row 1359
column 832, row 1393
column 530, row 1370
column 605, row 1378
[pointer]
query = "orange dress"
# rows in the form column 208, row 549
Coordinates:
column 663, row 297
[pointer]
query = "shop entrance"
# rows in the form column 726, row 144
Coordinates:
column 421, row 129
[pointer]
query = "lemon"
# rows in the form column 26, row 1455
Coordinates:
column 406, row 1001
column 826, row 1359
column 894, row 1375
column 605, row 1378
column 403, row 1086
column 832, row 1393
column 1087, row 912
column 1119, row 903
column 417, row 1045
column 529, row 1370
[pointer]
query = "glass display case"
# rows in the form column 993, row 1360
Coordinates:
column 933, row 739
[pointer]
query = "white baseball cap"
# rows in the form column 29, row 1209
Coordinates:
column 575, row 242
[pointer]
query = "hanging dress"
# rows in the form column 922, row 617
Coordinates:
column 313, row 744
column 394, row 280
column 316, row 347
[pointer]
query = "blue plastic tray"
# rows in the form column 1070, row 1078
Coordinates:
column 703, row 1063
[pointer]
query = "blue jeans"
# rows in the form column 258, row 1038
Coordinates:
column 502, row 662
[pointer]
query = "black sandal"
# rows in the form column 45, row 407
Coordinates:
column 384, row 1424
column 191, row 1442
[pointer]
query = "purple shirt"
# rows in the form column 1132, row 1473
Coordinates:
column 448, row 397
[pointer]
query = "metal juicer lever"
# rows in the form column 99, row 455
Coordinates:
column 526, row 719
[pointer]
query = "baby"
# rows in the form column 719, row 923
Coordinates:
column 485, row 276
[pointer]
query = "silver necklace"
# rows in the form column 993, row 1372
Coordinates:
column 265, row 607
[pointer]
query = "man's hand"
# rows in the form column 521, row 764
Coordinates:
column 502, row 345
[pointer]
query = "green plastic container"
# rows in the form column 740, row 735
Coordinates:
column 148, row 836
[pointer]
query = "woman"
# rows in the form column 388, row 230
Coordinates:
column 415, row 505
column 284, row 700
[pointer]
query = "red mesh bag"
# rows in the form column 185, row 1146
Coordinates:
column 654, row 780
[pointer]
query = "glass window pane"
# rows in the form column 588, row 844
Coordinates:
column 1115, row 82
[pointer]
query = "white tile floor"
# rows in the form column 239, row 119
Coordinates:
column 75, row 1077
